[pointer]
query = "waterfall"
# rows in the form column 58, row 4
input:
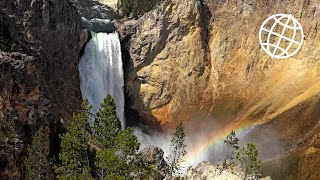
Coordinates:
column 101, row 72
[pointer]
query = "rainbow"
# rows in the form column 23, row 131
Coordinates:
column 197, row 153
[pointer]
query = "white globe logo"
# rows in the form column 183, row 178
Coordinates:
column 281, row 36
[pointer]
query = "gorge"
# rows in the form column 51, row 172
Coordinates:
column 193, row 61
column 199, row 62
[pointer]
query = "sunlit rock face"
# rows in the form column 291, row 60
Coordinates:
column 200, row 61
column 100, row 9
column 168, row 66
column 111, row 3
column 206, row 170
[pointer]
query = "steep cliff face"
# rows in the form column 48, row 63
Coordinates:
column 168, row 66
column 39, row 85
column 200, row 61
column 50, row 31
column 22, row 109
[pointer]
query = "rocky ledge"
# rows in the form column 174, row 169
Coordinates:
column 206, row 170
column 153, row 156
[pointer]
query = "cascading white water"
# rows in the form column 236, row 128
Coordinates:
column 101, row 72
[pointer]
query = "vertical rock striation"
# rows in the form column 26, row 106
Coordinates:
column 200, row 61
column 49, row 30
column 40, row 84
column 168, row 65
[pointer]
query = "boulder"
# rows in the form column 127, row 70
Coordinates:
column 153, row 156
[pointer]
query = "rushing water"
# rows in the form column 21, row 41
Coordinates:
column 101, row 72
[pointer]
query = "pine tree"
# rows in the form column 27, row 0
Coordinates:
column 106, row 124
column 248, row 158
column 36, row 161
column 74, row 147
column 109, row 165
column 118, row 146
column 231, row 142
column 177, row 150
column 126, row 144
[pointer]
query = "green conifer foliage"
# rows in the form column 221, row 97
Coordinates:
column 106, row 124
column 74, row 147
column 36, row 162
column 110, row 166
column 126, row 144
column 232, row 144
column 118, row 146
column 177, row 150
column 248, row 158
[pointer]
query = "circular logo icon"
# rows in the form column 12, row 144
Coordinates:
column 281, row 36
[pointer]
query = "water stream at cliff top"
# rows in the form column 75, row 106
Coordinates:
column 101, row 72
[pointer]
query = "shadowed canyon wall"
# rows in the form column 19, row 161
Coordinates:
column 39, row 84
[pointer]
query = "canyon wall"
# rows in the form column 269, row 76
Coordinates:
column 39, row 83
column 200, row 61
